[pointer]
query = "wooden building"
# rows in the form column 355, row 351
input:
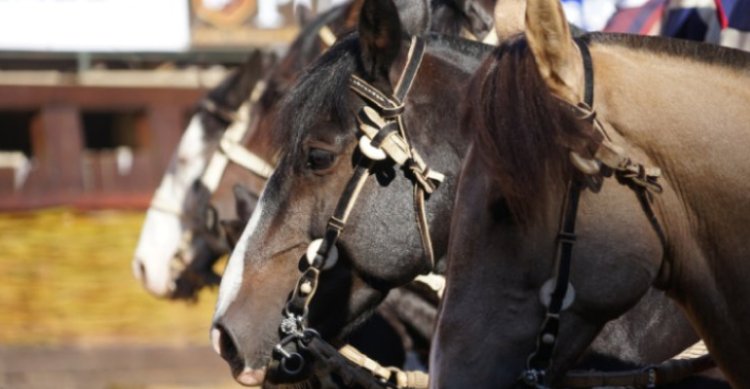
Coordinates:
column 95, row 139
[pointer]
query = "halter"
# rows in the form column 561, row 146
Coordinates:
column 383, row 137
column 557, row 294
column 230, row 149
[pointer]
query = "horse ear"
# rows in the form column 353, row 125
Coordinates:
column 251, row 70
column 303, row 12
column 415, row 16
column 509, row 18
column 245, row 202
column 254, row 61
column 379, row 36
column 556, row 56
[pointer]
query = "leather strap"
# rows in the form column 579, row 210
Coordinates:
column 327, row 36
column 539, row 361
column 668, row 372
column 588, row 72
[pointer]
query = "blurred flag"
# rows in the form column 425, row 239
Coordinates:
column 593, row 15
column 725, row 22
column 643, row 20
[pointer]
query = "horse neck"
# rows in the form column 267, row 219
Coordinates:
column 690, row 118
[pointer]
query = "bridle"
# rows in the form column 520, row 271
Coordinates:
column 557, row 294
column 384, row 136
column 230, row 149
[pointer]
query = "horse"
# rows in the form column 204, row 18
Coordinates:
column 283, row 290
column 174, row 228
column 182, row 236
column 551, row 121
column 206, row 217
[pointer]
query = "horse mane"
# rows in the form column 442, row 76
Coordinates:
column 521, row 132
column 695, row 51
column 304, row 50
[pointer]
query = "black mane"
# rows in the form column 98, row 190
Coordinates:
column 321, row 94
column 691, row 50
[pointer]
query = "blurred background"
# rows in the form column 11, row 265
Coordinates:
column 94, row 96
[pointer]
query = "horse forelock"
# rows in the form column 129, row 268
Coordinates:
column 320, row 95
column 521, row 133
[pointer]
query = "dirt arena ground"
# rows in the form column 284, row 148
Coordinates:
column 112, row 367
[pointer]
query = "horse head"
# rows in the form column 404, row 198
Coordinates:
column 323, row 172
column 228, row 141
column 180, row 238
column 545, row 246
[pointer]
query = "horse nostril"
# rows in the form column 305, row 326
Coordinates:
column 223, row 344
column 139, row 270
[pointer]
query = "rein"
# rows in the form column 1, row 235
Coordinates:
column 557, row 294
column 384, row 137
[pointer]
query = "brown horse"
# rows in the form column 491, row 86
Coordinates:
column 381, row 246
column 675, row 105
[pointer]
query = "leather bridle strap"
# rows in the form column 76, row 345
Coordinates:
column 539, row 361
column 354, row 186
column 231, row 149
column 668, row 372
column 642, row 180
column 327, row 36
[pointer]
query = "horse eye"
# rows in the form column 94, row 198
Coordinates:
column 319, row 159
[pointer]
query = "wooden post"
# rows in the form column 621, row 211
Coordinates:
column 57, row 144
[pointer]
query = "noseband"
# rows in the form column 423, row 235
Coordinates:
column 383, row 137
column 557, row 294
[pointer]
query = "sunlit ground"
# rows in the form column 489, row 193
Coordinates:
column 65, row 281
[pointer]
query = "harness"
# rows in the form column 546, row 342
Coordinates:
column 384, row 136
column 557, row 294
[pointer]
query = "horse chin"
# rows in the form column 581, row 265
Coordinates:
column 189, row 284
column 196, row 276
